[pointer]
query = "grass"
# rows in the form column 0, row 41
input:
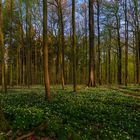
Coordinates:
column 91, row 113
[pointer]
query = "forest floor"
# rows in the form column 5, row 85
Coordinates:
column 104, row 113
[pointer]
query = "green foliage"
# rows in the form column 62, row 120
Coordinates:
column 24, row 118
column 4, row 126
column 89, row 114
column 2, row 136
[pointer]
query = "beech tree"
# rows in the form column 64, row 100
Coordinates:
column 62, row 41
column 3, row 123
column 74, row 46
column 99, row 43
column 91, row 45
column 45, row 50
column 2, row 52
column 126, row 42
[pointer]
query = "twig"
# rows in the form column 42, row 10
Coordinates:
column 25, row 136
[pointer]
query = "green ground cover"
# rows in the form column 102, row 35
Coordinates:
column 91, row 113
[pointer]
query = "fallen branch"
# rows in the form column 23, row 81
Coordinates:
column 25, row 136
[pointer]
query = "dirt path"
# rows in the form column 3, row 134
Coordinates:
column 131, row 95
column 127, row 93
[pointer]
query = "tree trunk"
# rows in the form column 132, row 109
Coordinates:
column 62, row 42
column 57, row 64
column 109, row 58
column 119, row 49
column 45, row 50
column 91, row 45
column 99, row 53
column 86, row 42
column 126, row 45
column 4, row 86
column 137, row 37
column 74, row 46
column 28, row 42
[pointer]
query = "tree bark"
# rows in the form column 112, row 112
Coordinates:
column 126, row 45
column 99, row 53
column 28, row 43
column 62, row 41
column 91, row 45
column 74, row 47
column 119, row 49
column 45, row 50
column 3, row 76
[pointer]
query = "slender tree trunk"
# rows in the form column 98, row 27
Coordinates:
column 91, row 45
column 137, row 37
column 134, row 58
column 74, row 47
column 106, row 66
column 126, row 45
column 109, row 66
column 11, row 74
column 45, row 50
column 137, row 59
column 28, row 43
column 119, row 51
column 17, row 67
column 11, row 35
column 99, row 57
column 23, row 56
column 109, row 58
column 86, row 43
column 62, row 42
column 57, row 64
column 63, row 51
column 4, row 86
column 23, row 68
column 36, row 67
column 139, row 53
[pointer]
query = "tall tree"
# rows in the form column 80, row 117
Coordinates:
column 109, row 58
column 91, row 45
column 11, row 36
column 119, row 48
column 45, row 50
column 62, row 41
column 126, row 43
column 74, row 46
column 99, row 53
column 4, row 86
column 137, row 38
column 28, row 41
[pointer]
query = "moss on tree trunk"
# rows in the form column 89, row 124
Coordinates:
column 4, row 126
